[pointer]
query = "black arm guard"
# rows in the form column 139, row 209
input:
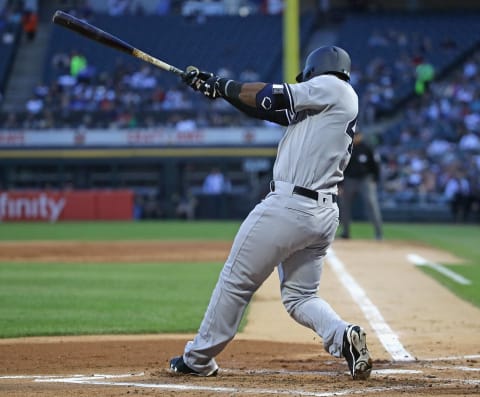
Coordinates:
column 230, row 91
column 278, row 117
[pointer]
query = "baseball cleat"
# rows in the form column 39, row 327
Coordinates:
column 178, row 366
column 356, row 352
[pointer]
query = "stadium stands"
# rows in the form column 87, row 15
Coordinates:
column 245, row 45
column 234, row 42
column 386, row 48
column 10, row 33
column 435, row 143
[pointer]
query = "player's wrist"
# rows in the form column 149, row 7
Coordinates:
column 229, row 88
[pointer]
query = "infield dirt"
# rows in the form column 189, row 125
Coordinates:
column 273, row 355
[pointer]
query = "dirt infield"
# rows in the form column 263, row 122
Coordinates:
column 424, row 340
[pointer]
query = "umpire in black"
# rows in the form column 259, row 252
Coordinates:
column 361, row 176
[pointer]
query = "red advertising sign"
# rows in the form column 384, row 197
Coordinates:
column 72, row 205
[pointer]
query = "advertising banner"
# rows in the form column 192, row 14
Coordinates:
column 53, row 206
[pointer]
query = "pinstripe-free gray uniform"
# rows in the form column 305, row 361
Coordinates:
column 288, row 230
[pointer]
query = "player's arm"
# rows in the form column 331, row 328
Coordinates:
column 260, row 100
column 264, row 101
column 248, row 97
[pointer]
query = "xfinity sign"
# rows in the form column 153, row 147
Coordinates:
column 41, row 207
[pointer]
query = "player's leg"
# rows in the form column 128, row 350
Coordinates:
column 265, row 238
column 300, row 279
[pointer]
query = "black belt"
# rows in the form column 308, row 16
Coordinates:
column 303, row 191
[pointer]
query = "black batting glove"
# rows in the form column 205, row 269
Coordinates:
column 210, row 88
column 194, row 78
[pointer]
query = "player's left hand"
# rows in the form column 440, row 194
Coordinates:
column 194, row 77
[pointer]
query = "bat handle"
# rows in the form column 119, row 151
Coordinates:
column 178, row 71
column 157, row 62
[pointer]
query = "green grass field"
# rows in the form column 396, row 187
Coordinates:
column 54, row 299
column 66, row 299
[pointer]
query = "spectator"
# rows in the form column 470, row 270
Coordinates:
column 425, row 72
column 143, row 79
column 185, row 206
column 216, row 183
column 214, row 188
column 457, row 192
column 60, row 62
column 30, row 24
column 34, row 105
column 78, row 63
column 470, row 142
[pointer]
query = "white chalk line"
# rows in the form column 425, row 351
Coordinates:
column 232, row 390
column 420, row 261
column 104, row 380
column 376, row 372
column 240, row 390
column 385, row 334
column 458, row 368
column 100, row 380
column 379, row 372
column 74, row 376
column 452, row 358
column 52, row 378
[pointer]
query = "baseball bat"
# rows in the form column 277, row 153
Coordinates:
column 93, row 33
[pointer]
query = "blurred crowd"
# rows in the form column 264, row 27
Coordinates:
column 388, row 79
column 126, row 97
column 16, row 14
column 433, row 154
column 194, row 8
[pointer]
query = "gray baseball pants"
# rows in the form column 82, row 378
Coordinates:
column 285, row 230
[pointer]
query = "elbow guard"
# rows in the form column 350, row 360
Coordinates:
column 272, row 97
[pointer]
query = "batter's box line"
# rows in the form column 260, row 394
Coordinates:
column 51, row 378
column 239, row 390
column 102, row 380
column 380, row 372
column 451, row 358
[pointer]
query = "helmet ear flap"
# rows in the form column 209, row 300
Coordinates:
column 299, row 77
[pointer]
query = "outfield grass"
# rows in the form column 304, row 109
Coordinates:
column 145, row 230
column 66, row 299
column 63, row 299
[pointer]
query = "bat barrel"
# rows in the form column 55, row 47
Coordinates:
column 84, row 28
column 92, row 32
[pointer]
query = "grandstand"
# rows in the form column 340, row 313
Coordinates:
column 10, row 30
column 121, row 124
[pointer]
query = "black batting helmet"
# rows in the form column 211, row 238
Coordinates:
column 328, row 59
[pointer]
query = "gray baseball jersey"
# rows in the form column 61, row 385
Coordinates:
column 288, row 230
column 314, row 150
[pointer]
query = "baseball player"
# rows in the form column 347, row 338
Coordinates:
column 294, row 225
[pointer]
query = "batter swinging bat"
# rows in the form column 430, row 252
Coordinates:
column 93, row 33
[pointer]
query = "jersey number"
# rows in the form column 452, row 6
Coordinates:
column 351, row 132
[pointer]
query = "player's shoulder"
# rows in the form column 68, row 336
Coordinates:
column 328, row 80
